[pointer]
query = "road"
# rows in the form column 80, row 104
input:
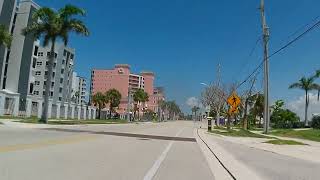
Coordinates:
column 158, row 151
column 152, row 151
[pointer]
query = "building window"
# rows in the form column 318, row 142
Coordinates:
column 34, row 61
column 63, row 61
column 62, row 71
column 60, row 98
column 47, row 63
column 43, row 93
column 53, row 74
column 71, row 56
column 51, row 93
column 60, row 90
column 38, row 73
column 40, row 53
column 46, row 73
column 31, row 88
column 39, row 63
column 64, row 52
column 37, row 83
column 52, row 84
column 36, row 92
column 61, row 80
column 35, row 52
column 54, row 65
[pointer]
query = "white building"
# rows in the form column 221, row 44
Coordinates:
column 23, row 70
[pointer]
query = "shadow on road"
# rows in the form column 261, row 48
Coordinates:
column 141, row 136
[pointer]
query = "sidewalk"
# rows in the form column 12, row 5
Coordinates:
column 235, row 167
column 306, row 152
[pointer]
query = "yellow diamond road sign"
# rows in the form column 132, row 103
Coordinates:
column 233, row 110
column 234, row 100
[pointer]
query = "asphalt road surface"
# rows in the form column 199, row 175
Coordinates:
column 158, row 151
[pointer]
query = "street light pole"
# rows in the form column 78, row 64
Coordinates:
column 266, row 35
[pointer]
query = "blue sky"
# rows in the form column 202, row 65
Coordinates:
column 182, row 41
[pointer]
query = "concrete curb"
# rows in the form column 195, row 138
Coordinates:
column 217, row 170
column 236, row 168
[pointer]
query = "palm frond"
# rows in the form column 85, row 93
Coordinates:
column 70, row 10
column 44, row 14
column 78, row 27
column 295, row 85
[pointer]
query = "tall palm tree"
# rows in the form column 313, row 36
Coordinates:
column 53, row 25
column 99, row 100
column 113, row 96
column 306, row 84
column 140, row 96
column 5, row 36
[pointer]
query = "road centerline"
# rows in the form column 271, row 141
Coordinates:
column 155, row 167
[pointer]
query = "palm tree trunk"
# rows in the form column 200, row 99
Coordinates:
column 99, row 117
column 44, row 115
column 306, row 110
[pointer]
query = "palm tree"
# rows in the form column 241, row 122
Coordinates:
column 306, row 84
column 195, row 109
column 140, row 97
column 5, row 36
column 100, row 101
column 113, row 96
column 53, row 25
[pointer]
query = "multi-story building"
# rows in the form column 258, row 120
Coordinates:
column 23, row 69
column 79, row 89
column 18, row 66
column 7, row 14
column 61, row 83
column 124, row 81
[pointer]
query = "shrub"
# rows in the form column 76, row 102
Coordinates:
column 315, row 123
column 284, row 118
column 298, row 124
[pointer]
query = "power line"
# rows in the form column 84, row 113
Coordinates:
column 279, row 50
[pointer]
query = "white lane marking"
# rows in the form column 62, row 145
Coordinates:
column 153, row 170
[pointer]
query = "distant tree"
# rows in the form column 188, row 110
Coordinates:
column 194, row 110
column 113, row 96
column 140, row 96
column 53, row 25
column 306, row 84
column 5, row 36
column 257, row 106
column 99, row 100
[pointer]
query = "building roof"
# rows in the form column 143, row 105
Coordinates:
column 122, row 65
column 147, row 73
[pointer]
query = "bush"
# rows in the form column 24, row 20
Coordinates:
column 315, row 123
column 284, row 118
column 298, row 124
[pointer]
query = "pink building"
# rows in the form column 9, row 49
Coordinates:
column 121, row 79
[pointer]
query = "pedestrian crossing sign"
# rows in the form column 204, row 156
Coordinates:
column 234, row 100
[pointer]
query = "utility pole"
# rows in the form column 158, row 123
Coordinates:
column 266, row 34
column 218, row 79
